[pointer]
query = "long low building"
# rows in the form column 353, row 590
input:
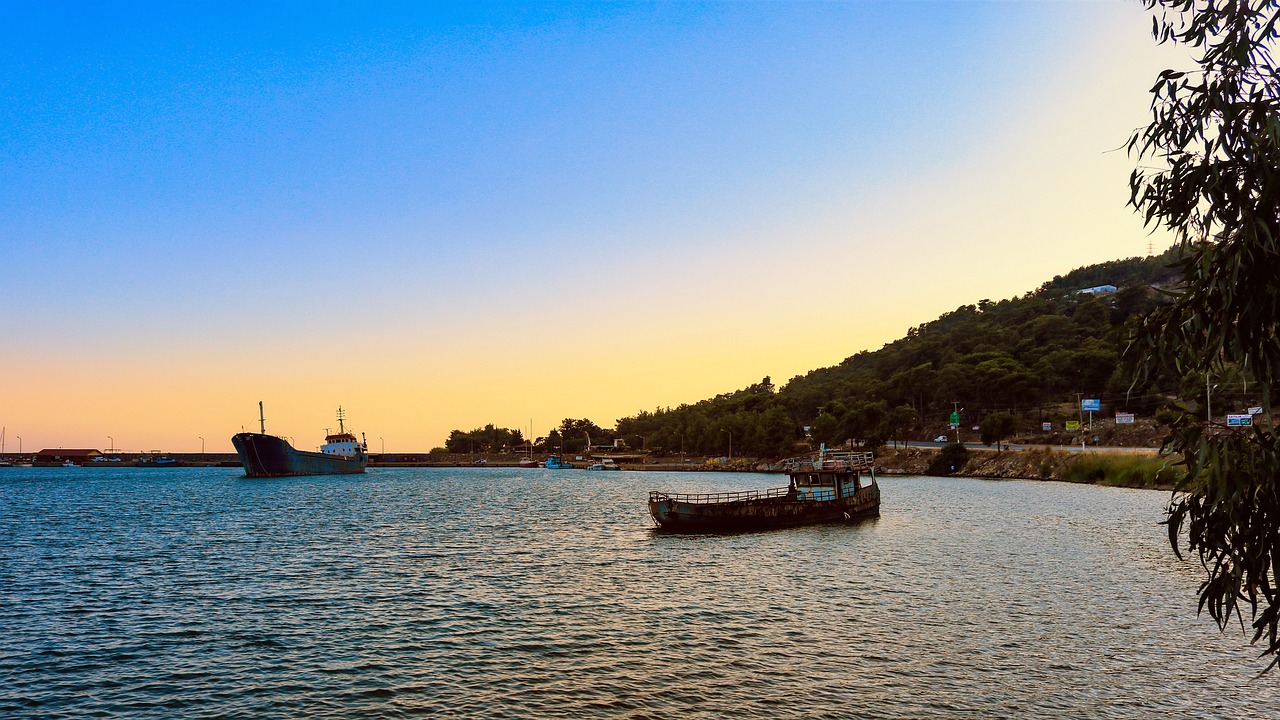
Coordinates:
column 61, row 456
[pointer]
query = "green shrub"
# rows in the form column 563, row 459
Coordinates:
column 950, row 460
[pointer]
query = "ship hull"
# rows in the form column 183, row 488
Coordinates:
column 270, row 456
column 763, row 513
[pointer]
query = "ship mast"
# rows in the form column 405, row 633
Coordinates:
column 262, row 421
column 341, row 429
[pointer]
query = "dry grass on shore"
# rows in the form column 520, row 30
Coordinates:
column 1113, row 469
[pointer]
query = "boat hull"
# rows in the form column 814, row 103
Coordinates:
column 762, row 513
column 270, row 456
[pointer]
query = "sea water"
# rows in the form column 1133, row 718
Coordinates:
column 495, row 593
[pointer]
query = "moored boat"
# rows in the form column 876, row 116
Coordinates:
column 554, row 462
column 266, row 455
column 155, row 460
column 827, row 488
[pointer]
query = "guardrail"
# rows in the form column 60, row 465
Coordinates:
column 656, row 495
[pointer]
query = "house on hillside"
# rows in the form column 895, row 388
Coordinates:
column 1099, row 290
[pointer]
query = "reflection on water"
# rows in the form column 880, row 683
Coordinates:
column 535, row 593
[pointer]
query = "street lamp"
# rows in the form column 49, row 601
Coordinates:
column 19, row 444
column 111, row 443
column 202, row 449
column 384, row 446
column 730, row 443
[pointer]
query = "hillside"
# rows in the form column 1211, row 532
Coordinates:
column 1032, row 356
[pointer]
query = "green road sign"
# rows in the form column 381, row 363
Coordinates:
column 955, row 418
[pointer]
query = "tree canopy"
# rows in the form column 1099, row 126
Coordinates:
column 484, row 439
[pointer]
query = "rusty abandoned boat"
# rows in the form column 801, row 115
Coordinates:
column 825, row 488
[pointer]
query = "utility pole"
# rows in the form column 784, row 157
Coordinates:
column 1080, row 417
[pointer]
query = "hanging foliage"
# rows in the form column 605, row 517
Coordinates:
column 1209, row 171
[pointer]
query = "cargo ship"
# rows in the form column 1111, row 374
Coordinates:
column 266, row 455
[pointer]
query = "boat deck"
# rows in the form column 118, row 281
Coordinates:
column 724, row 497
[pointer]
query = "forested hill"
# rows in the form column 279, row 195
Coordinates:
column 1018, row 355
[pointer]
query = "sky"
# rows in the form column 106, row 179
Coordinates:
column 440, row 217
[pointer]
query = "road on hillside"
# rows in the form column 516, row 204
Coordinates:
column 1056, row 448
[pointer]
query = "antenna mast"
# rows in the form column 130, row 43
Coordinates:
column 341, row 416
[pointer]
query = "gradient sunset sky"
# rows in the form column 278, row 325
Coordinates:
column 442, row 217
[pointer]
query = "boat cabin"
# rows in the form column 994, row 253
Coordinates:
column 343, row 443
column 828, row 478
column 825, row 484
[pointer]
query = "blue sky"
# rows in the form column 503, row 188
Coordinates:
column 503, row 212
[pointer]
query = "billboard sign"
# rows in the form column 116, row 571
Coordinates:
column 1255, row 410
column 1239, row 420
column 1124, row 418
column 1094, row 404
column 1046, row 426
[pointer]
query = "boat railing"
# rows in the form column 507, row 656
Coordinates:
column 707, row 498
column 838, row 461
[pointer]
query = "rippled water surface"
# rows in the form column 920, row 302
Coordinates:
column 532, row 593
